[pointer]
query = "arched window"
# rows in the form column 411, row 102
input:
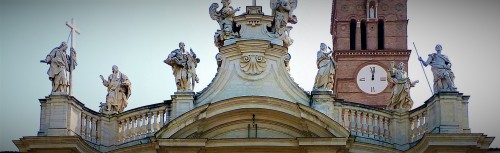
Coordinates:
column 381, row 35
column 363, row 35
column 352, row 37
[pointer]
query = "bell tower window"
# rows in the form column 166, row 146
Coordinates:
column 352, row 34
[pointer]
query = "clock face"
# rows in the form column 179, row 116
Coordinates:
column 372, row 79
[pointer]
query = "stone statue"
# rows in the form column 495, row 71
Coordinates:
column 119, row 90
column 401, row 84
column 59, row 63
column 371, row 12
column 326, row 69
column 225, row 19
column 184, row 65
column 441, row 69
column 283, row 14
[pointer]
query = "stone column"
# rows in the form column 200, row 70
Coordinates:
column 182, row 102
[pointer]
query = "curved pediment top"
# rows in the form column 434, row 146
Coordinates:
column 253, row 68
column 240, row 117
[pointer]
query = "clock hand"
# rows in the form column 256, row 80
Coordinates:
column 373, row 72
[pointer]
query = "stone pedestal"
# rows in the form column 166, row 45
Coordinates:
column 59, row 116
column 399, row 129
column 322, row 101
column 182, row 102
column 448, row 113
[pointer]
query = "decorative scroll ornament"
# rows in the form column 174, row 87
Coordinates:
column 253, row 64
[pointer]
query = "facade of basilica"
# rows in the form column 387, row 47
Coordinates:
column 360, row 101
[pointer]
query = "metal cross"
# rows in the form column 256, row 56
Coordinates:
column 74, row 30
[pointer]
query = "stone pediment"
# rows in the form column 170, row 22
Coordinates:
column 233, row 118
column 253, row 68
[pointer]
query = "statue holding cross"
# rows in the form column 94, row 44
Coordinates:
column 60, row 62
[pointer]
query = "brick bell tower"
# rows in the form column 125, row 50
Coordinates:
column 368, row 35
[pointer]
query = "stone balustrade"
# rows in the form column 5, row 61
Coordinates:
column 418, row 123
column 366, row 122
column 88, row 127
column 66, row 116
column 442, row 113
column 142, row 123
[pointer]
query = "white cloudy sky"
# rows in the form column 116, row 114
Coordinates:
column 138, row 35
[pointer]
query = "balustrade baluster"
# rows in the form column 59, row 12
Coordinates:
column 162, row 121
column 94, row 130
column 346, row 119
column 376, row 127
column 87, row 128
column 149, row 124
column 155, row 125
column 424, row 125
column 144, row 131
column 364, row 123
column 82, row 127
column 124, row 131
column 134, row 128
column 413, row 127
column 386, row 130
column 370, row 125
column 353, row 122
column 381, row 128
column 358, row 123
column 128, row 130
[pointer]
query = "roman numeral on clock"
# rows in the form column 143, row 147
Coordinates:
column 372, row 89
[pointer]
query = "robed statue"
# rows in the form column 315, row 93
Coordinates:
column 401, row 84
column 283, row 14
column 60, row 63
column 225, row 19
column 441, row 69
column 119, row 90
column 326, row 69
column 184, row 65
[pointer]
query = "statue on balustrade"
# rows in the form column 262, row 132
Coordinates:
column 225, row 19
column 326, row 69
column 59, row 63
column 119, row 90
column 184, row 65
column 401, row 84
column 283, row 14
column 441, row 69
